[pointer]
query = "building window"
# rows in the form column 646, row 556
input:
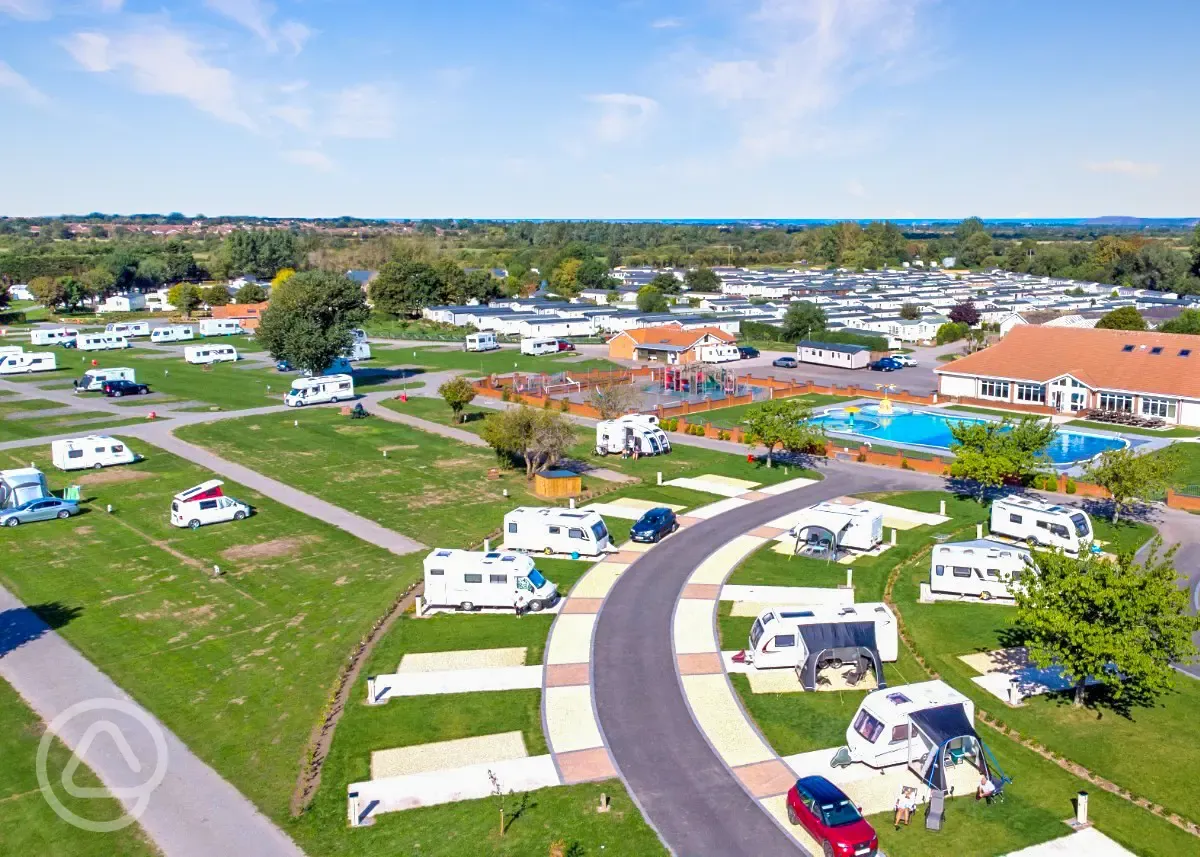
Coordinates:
column 1031, row 393
column 1158, row 408
column 993, row 389
column 1116, row 402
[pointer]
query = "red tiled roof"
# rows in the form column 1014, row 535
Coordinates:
column 670, row 335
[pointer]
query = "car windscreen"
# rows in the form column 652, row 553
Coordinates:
column 537, row 579
column 1081, row 524
column 839, row 813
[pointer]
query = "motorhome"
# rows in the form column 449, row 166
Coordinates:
column 206, row 504
column 853, row 527
column 52, row 336
column 630, row 432
column 471, row 579
column 210, row 354
column 485, row 341
column 22, row 485
column 25, row 362
column 724, row 353
column 981, row 568
column 887, row 728
column 554, row 530
column 101, row 341
column 173, row 333
column 93, row 380
column 129, row 328
column 319, row 390
column 93, row 451
column 220, row 326
column 537, row 347
column 1041, row 523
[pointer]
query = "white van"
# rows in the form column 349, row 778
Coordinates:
column 789, row 636
column 640, row 431
column 554, row 530
column 28, row 361
column 220, row 326
column 470, row 579
column 94, row 451
column 719, row 353
column 536, row 347
column 129, row 328
column 101, row 341
column 485, row 341
column 52, row 336
column 173, row 333
column 210, row 354
column 95, row 379
column 981, row 568
column 1041, row 523
column 206, row 504
column 316, row 391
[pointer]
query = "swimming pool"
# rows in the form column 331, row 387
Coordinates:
column 929, row 429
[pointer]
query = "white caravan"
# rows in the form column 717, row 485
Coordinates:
column 173, row 333
column 316, row 391
column 632, row 431
column 206, row 504
column 52, row 336
column 981, row 568
column 719, row 353
column 485, row 341
column 95, row 451
column 360, row 350
column 22, row 485
column 809, row 639
column 28, row 361
column 471, row 579
column 6, row 350
column 855, row 527
column 219, row 326
column 210, row 354
column 129, row 328
column 554, row 530
column 101, row 341
column 536, row 347
column 95, row 379
column 1041, row 523
column 883, row 733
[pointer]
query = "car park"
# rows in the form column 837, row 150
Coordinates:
column 655, row 525
column 748, row 352
column 785, row 362
column 885, row 364
column 41, row 509
column 119, row 387
column 831, row 818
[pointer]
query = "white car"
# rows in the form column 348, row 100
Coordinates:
column 904, row 360
column 206, row 504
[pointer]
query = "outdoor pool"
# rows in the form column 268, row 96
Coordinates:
column 928, row 429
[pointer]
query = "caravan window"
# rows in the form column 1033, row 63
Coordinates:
column 598, row 530
column 1014, row 519
column 497, row 578
column 785, row 641
column 939, row 570
column 536, row 578
column 472, row 578
column 512, row 526
column 867, row 726
column 75, row 453
column 575, row 533
column 554, row 531
column 960, row 571
column 1081, row 525
column 993, row 573
column 899, row 733
column 437, row 571
column 756, row 632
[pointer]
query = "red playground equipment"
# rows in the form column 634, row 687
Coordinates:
column 700, row 380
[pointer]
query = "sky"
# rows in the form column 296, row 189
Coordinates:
column 600, row 108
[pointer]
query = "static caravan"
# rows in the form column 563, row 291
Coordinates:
column 1041, row 523
column 220, row 326
column 52, row 336
column 980, row 568
column 833, row 526
column 101, row 342
column 632, row 431
column 94, row 451
column 719, row 353
column 129, row 329
column 25, row 362
column 536, row 347
column 319, row 390
column 95, row 379
column 210, row 354
column 833, row 354
column 471, row 579
column 553, row 530
column 485, row 341
column 173, row 333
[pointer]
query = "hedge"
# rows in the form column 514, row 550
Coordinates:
column 22, row 268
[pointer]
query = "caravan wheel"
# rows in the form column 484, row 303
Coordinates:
column 194, row 524
column 466, row 607
column 333, row 400
column 601, row 451
column 985, row 596
column 97, row 466
column 548, row 551
column 536, row 606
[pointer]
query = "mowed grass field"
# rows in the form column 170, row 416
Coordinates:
column 18, row 420
column 240, row 665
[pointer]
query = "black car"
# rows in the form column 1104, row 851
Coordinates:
column 653, row 525
column 117, row 388
column 785, row 362
column 747, row 351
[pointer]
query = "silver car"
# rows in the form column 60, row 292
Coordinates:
column 43, row 509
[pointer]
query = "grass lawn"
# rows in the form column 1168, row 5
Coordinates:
column 1186, row 473
column 238, row 666
column 1113, row 427
column 22, row 429
column 28, row 824
column 485, row 362
column 1125, row 537
column 732, row 417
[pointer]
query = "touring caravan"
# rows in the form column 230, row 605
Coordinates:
column 219, row 326
column 173, row 333
column 323, row 388
column 1041, row 523
column 537, row 347
column 485, row 341
column 471, row 579
column 856, row 527
column 210, row 354
column 981, row 568
column 101, row 341
column 28, row 361
column 52, row 336
column 129, row 328
column 93, row 451
column 94, row 380
column 206, row 504
column 360, row 350
column 554, row 530
column 632, row 431
column 6, row 350
column 22, row 485
column 719, row 353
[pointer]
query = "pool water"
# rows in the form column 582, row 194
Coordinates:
column 923, row 428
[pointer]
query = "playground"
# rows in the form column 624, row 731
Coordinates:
column 666, row 386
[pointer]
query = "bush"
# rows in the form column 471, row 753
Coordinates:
column 565, row 406
column 722, row 435
column 904, row 465
column 1071, row 486
column 12, row 317
column 504, row 397
column 547, row 403
column 861, row 458
column 695, row 429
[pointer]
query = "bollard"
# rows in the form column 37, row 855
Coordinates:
column 979, row 531
column 487, row 545
column 295, row 423
column 505, row 492
column 660, row 477
column 942, row 508
column 572, row 502
column 108, row 508
column 385, row 453
column 605, row 805
column 849, row 578
column 893, row 538
column 1081, row 808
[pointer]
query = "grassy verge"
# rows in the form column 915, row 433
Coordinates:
column 733, row 417
column 1185, row 475
column 30, row 427
column 1113, row 427
column 484, row 363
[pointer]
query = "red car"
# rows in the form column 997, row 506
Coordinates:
column 831, row 818
column 564, row 345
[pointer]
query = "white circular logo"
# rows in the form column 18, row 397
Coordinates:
column 133, row 798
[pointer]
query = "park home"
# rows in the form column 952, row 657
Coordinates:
column 536, row 347
column 485, row 341
column 123, row 303
column 1045, row 524
column 129, row 328
column 22, row 485
column 173, row 333
column 319, row 390
column 552, row 530
column 471, row 579
column 206, row 504
column 94, row 451
column 52, row 336
column 219, row 326
column 210, row 354
column 981, row 568
column 25, row 362
column 101, row 341
column 833, row 354
column 719, row 353
column 835, row 526
column 95, row 379
column 630, row 432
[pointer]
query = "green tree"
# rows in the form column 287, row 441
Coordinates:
column 910, row 311
column 992, row 452
column 1122, row 318
column 47, row 291
column 215, row 295
column 457, row 393
column 178, row 262
column 309, row 323
column 74, row 291
column 1119, row 623
column 99, row 281
column 260, row 252
column 184, row 297
column 251, row 293
column 593, row 274
column 538, row 437
column 950, row 332
column 803, row 320
column 782, row 424
column 1187, row 321
column 702, row 280
column 614, row 400
column 668, row 284
column 565, row 278
column 405, row 288
column 151, row 272
column 1128, row 476
column 1195, row 266
column 650, row 299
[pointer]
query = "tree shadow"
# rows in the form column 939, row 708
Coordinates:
column 523, row 806
column 377, row 377
column 25, row 624
column 1101, row 700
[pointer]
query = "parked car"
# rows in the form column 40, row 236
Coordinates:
column 68, row 343
column 903, row 360
column 747, row 351
column 283, row 366
column 654, row 525
column 831, row 818
column 41, row 509
column 884, row 364
column 564, row 345
column 117, row 388
column 785, row 362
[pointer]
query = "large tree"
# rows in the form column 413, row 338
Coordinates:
column 668, row 284
column 564, row 279
column 993, row 452
column 702, row 280
column 260, row 253
column 803, row 320
column 405, row 288
column 614, row 400
column 964, row 313
column 216, row 295
column 650, row 299
column 910, row 311
column 782, row 424
column 309, row 323
column 593, row 274
column 1130, row 476
column 1122, row 318
column 251, row 293
column 1187, row 321
column 47, row 291
column 184, row 297
column 538, row 437
column 1116, row 622
column 457, row 393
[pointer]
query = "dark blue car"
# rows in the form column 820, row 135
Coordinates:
column 653, row 525
column 886, row 364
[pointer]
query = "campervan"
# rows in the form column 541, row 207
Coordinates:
column 719, row 353
column 981, row 568
column 22, row 485
column 857, row 527
column 316, row 391
column 95, row 451
column 632, row 431
column 554, row 530
column 129, row 328
column 101, row 341
column 809, row 639
column 471, row 579
column 206, row 504
column 173, row 333
column 93, row 380
column 537, row 347
column 485, row 341
column 886, row 728
column 210, row 354
column 28, row 361
column 52, row 336
column 219, row 326
column 1041, row 523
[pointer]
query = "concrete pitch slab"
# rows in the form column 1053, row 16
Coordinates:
column 708, row 663
column 606, row 475
column 776, row 806
column 721, row 719
column 470, row 782
column 568, row 675
column 598, row 580
column 765, row 778
column 571, row 639
column 581, row 605
column 765, row 532
column 1088, row 841
column 790, row 485
column 693, row 627
column 456, row 681
column 723, row 486
column 570, row 722
column 627, row 507
column 585, row 766
column 718, row 508
column 634, row 547
column 706, row 591
column 787, row 595
column 722, row 561
column 440, row 755
column 463, row 659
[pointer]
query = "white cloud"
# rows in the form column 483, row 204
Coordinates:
column 15, row 82
column 667, row 23
column 162, row 61
column 294, row 87
column 300, row 117
column 256, row 16
column 622, row 115
column 1120, row 166
column 110, row 5
column 363, row 112
column 26, row 10
column 310, row 158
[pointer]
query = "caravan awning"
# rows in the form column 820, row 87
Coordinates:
column 846, row 640
column 940, row 726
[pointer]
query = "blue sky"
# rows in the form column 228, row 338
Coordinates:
column 585, row 108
